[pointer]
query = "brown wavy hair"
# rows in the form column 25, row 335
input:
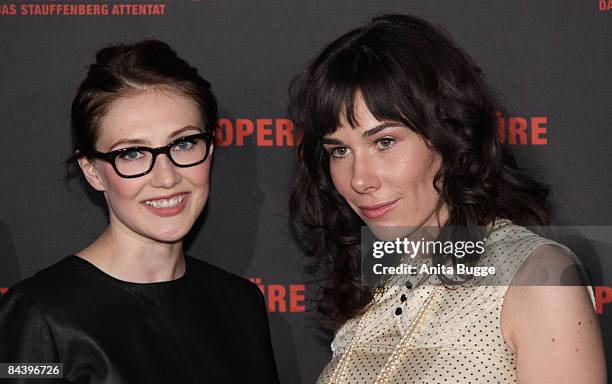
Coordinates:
column 407, row 71
column 123, row 70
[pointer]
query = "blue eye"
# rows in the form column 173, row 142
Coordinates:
column 131, row 155
column 183, row 145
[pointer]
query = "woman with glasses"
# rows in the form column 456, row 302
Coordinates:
column 132, row 307
column 400, row 140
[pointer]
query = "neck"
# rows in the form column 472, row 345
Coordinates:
column 430, row 229
column 128, row 256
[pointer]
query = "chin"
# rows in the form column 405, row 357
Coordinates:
column 391, row 230
column 169, row 235
column 169, row 239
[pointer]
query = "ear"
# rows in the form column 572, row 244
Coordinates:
column 91, row 173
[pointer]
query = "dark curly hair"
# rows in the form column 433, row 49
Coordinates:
column 409, row 71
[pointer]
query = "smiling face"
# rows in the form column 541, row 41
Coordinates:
column 384, row 171
column 163, row 204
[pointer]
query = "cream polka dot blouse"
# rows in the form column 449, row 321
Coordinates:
column 428, row 333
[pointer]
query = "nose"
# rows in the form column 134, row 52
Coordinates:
column 164, row 173
column 364, row 178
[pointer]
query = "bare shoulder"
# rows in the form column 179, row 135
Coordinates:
column 550, row 324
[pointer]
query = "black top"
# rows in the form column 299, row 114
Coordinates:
column 208, row 326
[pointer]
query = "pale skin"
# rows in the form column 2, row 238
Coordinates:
column 138, row 246
column 552, row 329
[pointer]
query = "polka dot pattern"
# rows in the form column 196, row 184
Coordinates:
column 458, row 338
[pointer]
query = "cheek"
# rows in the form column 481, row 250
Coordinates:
column 119, row 187
column 415, row 171
column 341, row 177
column 197, row 180
column 199, row 175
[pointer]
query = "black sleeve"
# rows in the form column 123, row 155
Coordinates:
column 265, row 370
column 25, row 336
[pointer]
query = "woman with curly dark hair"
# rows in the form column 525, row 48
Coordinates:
column 399, row 132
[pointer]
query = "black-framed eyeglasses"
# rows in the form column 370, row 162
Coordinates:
column 183, row 152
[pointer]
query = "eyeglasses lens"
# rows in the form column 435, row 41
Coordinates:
column 184, row 152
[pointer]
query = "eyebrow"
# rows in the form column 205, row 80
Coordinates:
column 143, row 141
column 365, row 135
column 378, row 128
